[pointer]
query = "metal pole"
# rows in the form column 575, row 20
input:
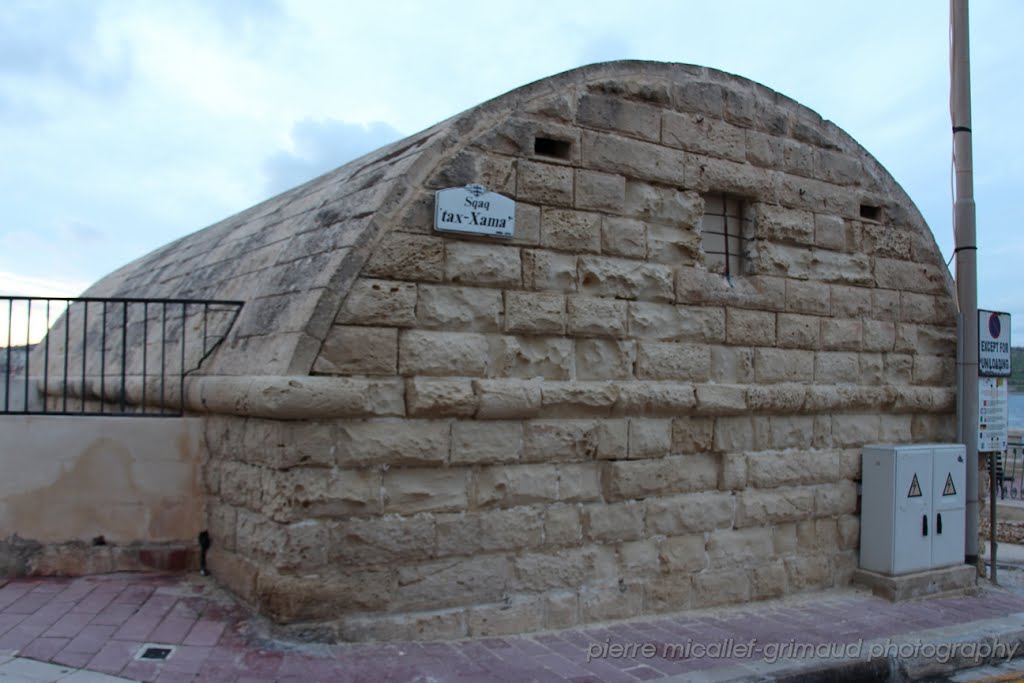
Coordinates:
column 966, row 258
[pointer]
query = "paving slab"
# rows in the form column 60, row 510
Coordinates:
column 105, row 623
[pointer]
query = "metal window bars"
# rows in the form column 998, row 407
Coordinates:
column 105, row 356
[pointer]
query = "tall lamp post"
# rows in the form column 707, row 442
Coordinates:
column 965, row 231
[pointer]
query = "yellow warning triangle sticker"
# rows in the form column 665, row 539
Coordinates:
column 915, row 488
column 949, row 489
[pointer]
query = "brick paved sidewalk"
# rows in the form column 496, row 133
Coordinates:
column 101, row 623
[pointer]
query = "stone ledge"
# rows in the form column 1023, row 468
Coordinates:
column 956, row 580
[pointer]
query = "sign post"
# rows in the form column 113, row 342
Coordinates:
column 993, row 402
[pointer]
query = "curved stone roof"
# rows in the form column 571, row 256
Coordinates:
column 293, row 258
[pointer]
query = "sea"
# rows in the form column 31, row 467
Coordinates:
column 1016, row 409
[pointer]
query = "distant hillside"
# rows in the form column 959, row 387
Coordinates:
column 1017, row 367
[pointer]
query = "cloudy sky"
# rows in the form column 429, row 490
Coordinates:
column 124, row 125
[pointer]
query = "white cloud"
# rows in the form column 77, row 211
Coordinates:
column 320, row 146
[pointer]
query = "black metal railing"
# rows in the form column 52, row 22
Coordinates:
column 94, row 356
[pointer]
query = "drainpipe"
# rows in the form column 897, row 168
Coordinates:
column 966, row 252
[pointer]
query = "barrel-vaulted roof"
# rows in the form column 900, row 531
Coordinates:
column 293, row 258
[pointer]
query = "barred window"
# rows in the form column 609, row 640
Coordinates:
column 724, row 229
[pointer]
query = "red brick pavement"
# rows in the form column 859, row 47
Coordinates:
column 100, row 623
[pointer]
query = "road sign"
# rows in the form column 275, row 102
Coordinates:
column 993, row 344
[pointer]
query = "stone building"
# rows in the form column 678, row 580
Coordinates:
column 651, row 398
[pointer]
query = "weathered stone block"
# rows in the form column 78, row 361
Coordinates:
column 470, row 309
column 606, row 523
column 241, row 484
column 563, row 525
column 442, row 353
column 807, row 297
column 734, row 434
column 879, row 335
column 666, row 322
column 472, row 263
column 610, row 112
column 549, row 270
column 804, row 573
column 704, row 135
column 855, row 430
column 732, row 364
column 692, row 434
column 439, row 397
column 546, row 184
column 791, row 431
column 664, row 476
column 672, row 244
column 478, row 442
column 768, row 581
column 304, row 492
column 569, row 568
column 452, row 582
column 840, row 334
column 721, row 399
column 764, row 507
column 781, row 224
column 406, row 256
column 649, row 438
column 624, row 279
column 934, row 370
column 691, row 513
column 382, row 540
column 511, row 529
column 516, row 616
column 600, row 191
column 392, row 442
column 286, row 599
column 561, row 609
column 683, row 554
column 458, row 533
column 769, row 470
column 607, row 602
column 507, row 399
column 576, row 399
column 668, row 205
column 358, row 351
column 596, row 316
column 673, row 361
column 668, row 593
column 639, row 558
column 598, row 359
column 561, row 440
column 510, row 485
column 836, row 367
column 572, row 231
column 783, row 365
column 379, row 302
column 721, row 588
column 534, row 313
column 732, row 548
column 654, row 399
column 838, row 498
column 797, row 331
column 752, row 328
column 531, row 357
column 408, row 491
column 623, row 237
column 579, row 482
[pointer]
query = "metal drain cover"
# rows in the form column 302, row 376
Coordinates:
column 154, row 653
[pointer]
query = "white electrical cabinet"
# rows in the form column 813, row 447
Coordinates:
column 912, row 507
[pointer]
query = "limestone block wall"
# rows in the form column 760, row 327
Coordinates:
column 588, row 421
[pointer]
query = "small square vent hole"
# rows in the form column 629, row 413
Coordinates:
column 872, row 213
column 154, row 653
column 549, row 147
